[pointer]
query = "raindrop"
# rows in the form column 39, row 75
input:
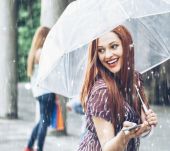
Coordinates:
column 4, row 28
column 164, row 69
column 27, row 86
column 125, row 89
column 72, row 82
column 162, row 99
column 128, row 68
column 131, row 46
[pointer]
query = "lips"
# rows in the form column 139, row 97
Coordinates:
column 113, row 61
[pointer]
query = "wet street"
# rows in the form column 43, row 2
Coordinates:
column 15, row 133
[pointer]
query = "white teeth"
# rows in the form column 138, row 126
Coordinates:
column 112, row 61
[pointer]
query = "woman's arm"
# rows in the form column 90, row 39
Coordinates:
column 107, row 138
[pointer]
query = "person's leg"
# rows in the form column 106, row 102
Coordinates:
column 33, row 136
column 46, row 105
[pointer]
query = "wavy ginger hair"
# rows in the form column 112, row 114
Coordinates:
column 121, row 84
column 37, row 43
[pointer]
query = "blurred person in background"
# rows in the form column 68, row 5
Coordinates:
column 45, row 98
column 75, row 105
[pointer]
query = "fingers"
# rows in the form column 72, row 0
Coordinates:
column 151, row 118
column 129, row 133
column 144, row 127
column 128, row 124
column 152, row 121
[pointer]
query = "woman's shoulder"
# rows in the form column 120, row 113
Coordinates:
column 99, row 84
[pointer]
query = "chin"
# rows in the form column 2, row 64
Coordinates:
column 115, row 70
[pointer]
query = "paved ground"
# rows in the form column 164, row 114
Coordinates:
column 14, row 133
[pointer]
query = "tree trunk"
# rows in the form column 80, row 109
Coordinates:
column 8, row 62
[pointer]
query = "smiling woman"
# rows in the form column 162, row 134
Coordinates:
column 110, row 52
column 109, row 98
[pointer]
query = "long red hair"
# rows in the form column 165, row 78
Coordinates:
column 121, row 84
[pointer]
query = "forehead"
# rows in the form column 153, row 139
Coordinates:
column 108, row 38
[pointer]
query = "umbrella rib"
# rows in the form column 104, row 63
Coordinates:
column 167, row 49
column 155, row 65
column 125, row 12
column 152, row 14
column 66, row 60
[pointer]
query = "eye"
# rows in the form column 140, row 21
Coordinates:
column 101, row 50
column 114, row 46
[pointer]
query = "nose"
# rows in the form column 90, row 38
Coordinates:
column 109, row 53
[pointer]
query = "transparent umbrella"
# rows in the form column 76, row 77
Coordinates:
column 64, row 54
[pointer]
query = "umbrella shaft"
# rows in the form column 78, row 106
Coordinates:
column 143, row 104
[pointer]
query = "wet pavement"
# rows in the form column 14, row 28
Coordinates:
column 15, row 133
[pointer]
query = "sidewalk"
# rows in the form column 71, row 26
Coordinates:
column 15, row 133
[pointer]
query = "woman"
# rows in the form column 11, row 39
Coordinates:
column 46, row 99
column 109, row 96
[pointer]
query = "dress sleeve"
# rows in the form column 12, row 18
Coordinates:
column 98, row 104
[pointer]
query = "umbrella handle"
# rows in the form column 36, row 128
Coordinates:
column 144, row 108
column 143, row 104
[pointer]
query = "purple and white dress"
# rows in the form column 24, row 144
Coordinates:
column 98, row 106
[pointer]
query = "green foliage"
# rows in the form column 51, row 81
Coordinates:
column 28, row 21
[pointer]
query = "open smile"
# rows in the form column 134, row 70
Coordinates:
column 112, row 62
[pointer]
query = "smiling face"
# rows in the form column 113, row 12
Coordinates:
column 110, row 52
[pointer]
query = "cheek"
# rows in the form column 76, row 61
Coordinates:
column 100, row 57
column 120, row 51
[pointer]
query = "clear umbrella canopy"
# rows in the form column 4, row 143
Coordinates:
column 64, row 55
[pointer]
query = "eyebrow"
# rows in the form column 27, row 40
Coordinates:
column 113, row 42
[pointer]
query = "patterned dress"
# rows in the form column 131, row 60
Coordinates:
column 98, row 106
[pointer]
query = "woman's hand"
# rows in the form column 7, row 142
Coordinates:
column 151, row 118
column 149, row 121
column 137, row 132
column 145, row 127
column 129, row 134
